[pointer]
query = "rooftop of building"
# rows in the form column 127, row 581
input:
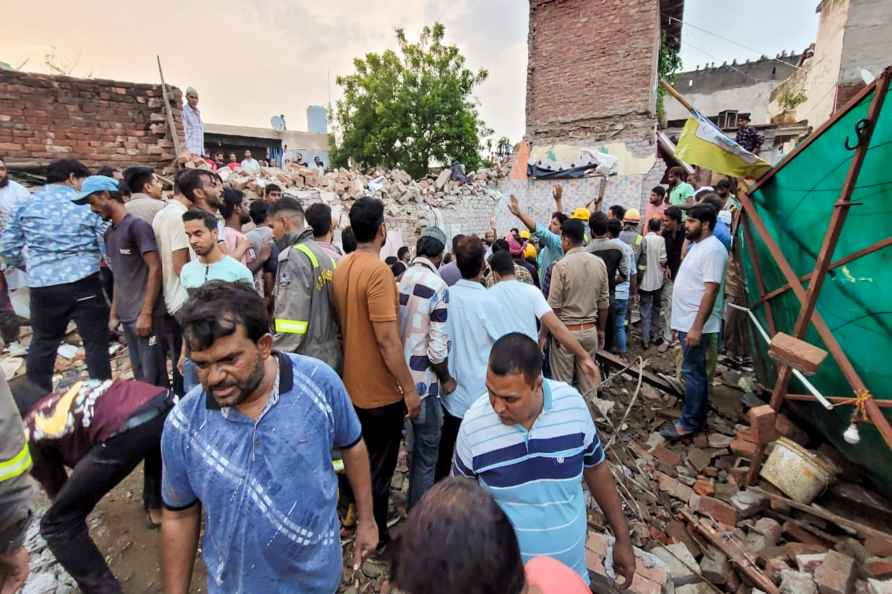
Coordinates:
column 711, row 77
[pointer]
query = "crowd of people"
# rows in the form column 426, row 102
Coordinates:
column 266, row 358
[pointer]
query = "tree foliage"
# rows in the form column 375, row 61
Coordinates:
column 410, row 108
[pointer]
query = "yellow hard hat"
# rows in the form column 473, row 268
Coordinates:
column 580, row 214
column 524, row 234
column 632, row 216
column 530, row 251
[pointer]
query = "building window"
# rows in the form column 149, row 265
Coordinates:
column 727, row 119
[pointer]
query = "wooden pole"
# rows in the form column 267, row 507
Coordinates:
column 881, row 244
column 837, row 221
column 171, row 125
column 678, row 97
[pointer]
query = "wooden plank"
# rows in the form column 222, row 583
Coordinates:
column 825, row 515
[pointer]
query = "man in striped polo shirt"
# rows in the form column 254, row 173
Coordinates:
column 531, row 442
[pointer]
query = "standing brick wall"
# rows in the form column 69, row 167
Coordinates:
column 99, row 122
column 592, row 69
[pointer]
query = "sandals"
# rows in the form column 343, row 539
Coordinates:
column 151, row 522
column 674, row 432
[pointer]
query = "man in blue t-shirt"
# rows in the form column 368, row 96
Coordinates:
column 212, row 264
column 531, row 443
column 251, row 449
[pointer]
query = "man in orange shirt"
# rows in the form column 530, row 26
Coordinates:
column 375, row 371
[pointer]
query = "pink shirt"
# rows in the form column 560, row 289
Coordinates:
column 651, row 212
column 553, row 577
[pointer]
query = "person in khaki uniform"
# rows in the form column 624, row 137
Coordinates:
column 15, row 493
column 580, row 297
column 305, row 319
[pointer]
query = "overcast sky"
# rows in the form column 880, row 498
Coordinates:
column 251, row 59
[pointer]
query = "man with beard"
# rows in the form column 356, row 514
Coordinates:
column 252, row 446
column 234, row 213
column 133, row 254
column 304, row 315
column 12, row 195
column 696, row 316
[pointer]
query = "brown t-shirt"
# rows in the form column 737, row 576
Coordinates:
column 365, row 292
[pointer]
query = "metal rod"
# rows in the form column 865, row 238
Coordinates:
column 883, row 243
column 808, row 385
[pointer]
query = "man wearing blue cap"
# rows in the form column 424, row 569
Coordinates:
column 63, row 240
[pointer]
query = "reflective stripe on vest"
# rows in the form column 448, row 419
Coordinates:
column 291, row 326
column 308, row 253
column 18, row 465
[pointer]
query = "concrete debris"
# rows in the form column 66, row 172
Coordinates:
column 836, row 575
column 403, row 196
column 681, row 563
column 796, row 582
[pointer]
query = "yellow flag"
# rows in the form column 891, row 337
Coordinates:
column 703, row 144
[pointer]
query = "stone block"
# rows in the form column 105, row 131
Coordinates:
column 698, row 588
column 762, row 420
column 836, row 575
column 770, row 528
column 878, row 546
column 809, row 562
column 705, row 487
column 796, row 582
column 674, row 488
column 879, row 586
column 698, row 458
column 666, row 456
column 680, row 562
column 793, row 531
column 878, row 568
column 796, row 353
column 744, row 447
column 774, row 568
column 715, row 566
column 719, row 441
column 718, row 510
column 749, row 503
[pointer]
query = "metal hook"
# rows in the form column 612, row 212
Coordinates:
column 861, row 129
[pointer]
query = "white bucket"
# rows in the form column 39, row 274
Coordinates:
column 802, row 475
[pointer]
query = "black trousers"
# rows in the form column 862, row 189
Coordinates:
column 447, row 445
column 51, row 310
column 382, row 431
column 64, row 526
column 172, row 339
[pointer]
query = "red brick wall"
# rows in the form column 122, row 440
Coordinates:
column 592, row 69
column 98, row 122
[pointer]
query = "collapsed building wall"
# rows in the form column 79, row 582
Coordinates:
column 591, row 83
column 99, row 122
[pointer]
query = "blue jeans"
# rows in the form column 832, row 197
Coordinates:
column 619, row 318
column 425, row 448
column 147, row 354
column 696, row 384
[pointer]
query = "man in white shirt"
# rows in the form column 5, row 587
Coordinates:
column 192, row 123
column 651, row 285
column 250, row 164
column 696, row 315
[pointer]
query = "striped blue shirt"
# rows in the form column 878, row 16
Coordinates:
column 536, row 475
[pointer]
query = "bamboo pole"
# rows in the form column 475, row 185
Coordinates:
column 171, row 125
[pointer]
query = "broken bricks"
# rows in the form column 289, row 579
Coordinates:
column 836, row 575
